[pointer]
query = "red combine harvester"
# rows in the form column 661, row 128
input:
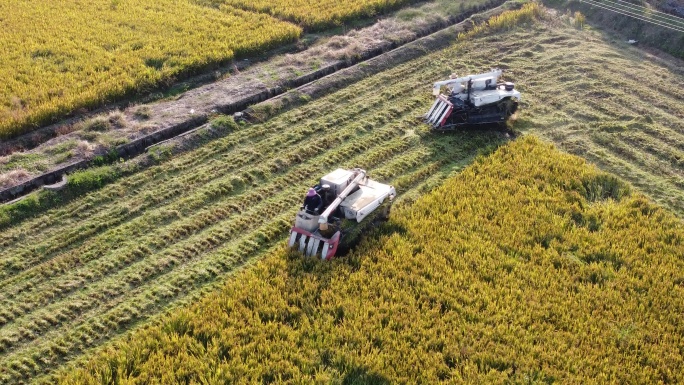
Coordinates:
column 349, row 201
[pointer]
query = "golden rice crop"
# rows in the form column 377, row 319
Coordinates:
column 528, row 267
column 318, row 14
column 57, row 57
column 97, row 267
column 507, row 20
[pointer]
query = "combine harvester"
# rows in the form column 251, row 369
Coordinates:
column 471, row 100
column 349, row 203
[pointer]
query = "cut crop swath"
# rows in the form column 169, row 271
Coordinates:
column 530, row 264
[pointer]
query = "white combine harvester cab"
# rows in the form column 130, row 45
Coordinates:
column 349, row 198
column 472, row 99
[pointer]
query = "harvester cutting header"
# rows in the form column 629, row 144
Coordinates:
column 472, row 99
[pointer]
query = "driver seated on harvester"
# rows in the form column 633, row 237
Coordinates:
column 313, row 202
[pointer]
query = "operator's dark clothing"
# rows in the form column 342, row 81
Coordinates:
column 313, row 203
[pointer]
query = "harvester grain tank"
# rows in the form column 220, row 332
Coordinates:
column 471, row 100
column 350, row 202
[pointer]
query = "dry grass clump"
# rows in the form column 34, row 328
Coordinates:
column 117, row 119
column 346, row 50
column 65, row 129
column 85, row 148
column 143, row 113
column 13, row 177
column 99, row 124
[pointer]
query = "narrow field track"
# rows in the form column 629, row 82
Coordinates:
column 79, row 275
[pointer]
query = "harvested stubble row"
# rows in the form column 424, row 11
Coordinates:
column 460, row 287
column 47, row 261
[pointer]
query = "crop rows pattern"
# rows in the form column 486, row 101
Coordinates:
column 462, row 286
column 80, row 275
column 57, row 59
column 597, row 99
column 84, row 273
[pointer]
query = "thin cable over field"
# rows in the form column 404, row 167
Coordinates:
column 655, row 12
column 634, row 16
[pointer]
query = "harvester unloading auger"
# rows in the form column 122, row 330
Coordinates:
column 349, row 201
column 472, row 99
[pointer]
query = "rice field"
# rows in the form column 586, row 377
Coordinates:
column 78, row 276
column 58, row 58
column 459, row 287
column 61, row 60
column 318, row 14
